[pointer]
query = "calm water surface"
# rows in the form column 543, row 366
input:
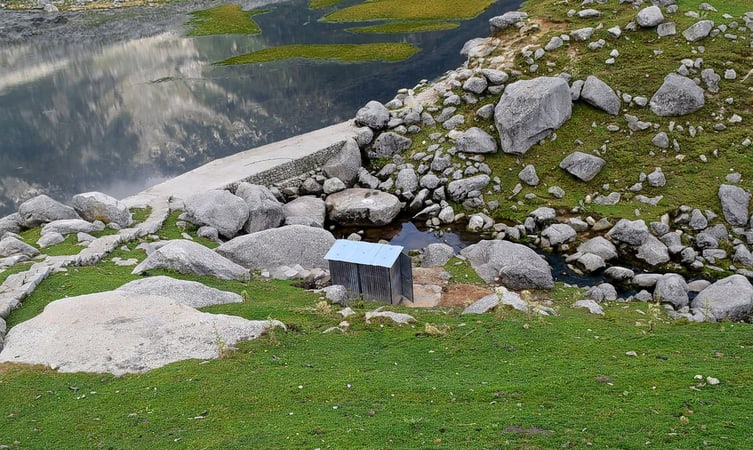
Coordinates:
column 119, row 100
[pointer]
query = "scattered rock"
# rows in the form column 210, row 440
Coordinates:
column 218, row 209
column 374, row 115
column 476, row 140
column 735, row 202
column 582, row 165
column 598, row 94
column 729, row 298
column 362, row 207
column 677, row 96
column 42, row 209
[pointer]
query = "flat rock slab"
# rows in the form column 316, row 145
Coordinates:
column 191, row 258
column 119, row 333
column 189, row 293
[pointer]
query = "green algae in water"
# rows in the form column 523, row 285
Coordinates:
column 387, row 52
column 223, row 19
column 405, row 27
column 412, row 10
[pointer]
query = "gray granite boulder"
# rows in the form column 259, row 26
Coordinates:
column 459, row 189
column 528, row 175
column 69, row 226
column 373, row 115
column 388, row 144
column 42, row 209
column 188, row 257
column 96, row 206
column 677, row 96
column 671, row 288
column 436, row 255
column 559, row 233
column 506, row 20
column 311, row 209
column 362, row 207
column 699, row 30
column 284, row 246
column 649, row 17
column 582, row 165
column 631, row 232
column 531, row 110
column 345, row 164
column 653, row 251
column 476, row 140
column 264, row 210
column 122, row 332
column 515, row 265
column 218, row 209
column 482, row 305
column 599, row 246
column 729, row 298
column 12, row 246
column 10, row 224
column 598, row 94
column 735, row 201
column 189, row 293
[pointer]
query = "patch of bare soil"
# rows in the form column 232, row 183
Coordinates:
column 462, row 295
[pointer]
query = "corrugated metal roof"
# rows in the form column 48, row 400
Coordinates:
column 358, row 252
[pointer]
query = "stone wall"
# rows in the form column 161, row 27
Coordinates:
column 292, row 169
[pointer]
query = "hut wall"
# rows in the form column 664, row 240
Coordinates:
column 345, row 274
column 375, row 283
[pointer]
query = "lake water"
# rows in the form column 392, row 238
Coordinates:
column 121, row 99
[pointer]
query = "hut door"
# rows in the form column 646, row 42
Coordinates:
column 406, row 276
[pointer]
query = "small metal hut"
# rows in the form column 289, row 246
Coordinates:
column 378, row 271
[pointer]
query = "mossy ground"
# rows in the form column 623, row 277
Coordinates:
column 405, row 27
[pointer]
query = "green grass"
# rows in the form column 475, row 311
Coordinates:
column 320, row 4
column 223, row 19
column 376, row 386
column 410, row 10
column 405, row 27
column 344, row 53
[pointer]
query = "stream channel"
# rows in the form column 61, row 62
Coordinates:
column 117, row 100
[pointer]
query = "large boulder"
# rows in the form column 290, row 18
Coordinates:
column 599, row 246
column 12, row 246
column 437, row 255
column 373, row 115
column 122, row 332
column 506, row 20
column 459, row 189
column 515, row 265
column 284, row 246
column 598, row 94
column 188, row 257
column 582, row 165
column 531, row 110
column 388, row 144
column 218, row 209
column 559, row 233
column 735, row 202
column 42, row 209
column 189, row 293
column 362, row 207
column 264, row 210
column 476, row 140
column 70, row 226
column 671, row 288
column 653, row 251
column 10, row 224
column 307, row 210
column 93, row 206
column 729, row 298
column 631, row 232
column 677, row 96
column 345, row 164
